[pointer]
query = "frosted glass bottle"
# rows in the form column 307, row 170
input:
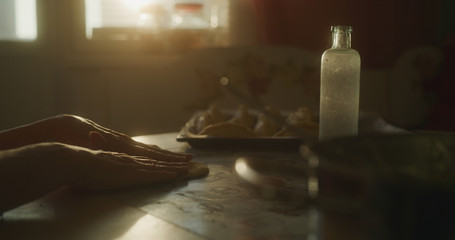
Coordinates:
column 340, row 85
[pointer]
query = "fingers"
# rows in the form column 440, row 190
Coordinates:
column 109, row 170
column 166, row 155
column 142, row 162
column 107, row 139
column 139, row 149
column 159, row 153
column 100, row 128
column 153, row 165
column 181, row 168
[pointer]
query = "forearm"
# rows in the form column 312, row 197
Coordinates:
column 30, row 172
column 32, row 133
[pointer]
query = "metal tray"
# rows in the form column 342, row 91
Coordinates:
column 188, row 135
column 368, row 124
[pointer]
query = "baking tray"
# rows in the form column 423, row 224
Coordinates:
column 188, row 135
column 368, row 124
column 247, row 143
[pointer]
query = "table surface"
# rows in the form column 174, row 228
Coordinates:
column 219, row 206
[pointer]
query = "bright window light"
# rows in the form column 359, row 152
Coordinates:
column 138, row 4
column 112, row 18
column 138, row 19
column 93, row 17
column 18, row 20
column 26, row 19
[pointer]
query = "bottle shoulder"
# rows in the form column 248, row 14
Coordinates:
column 341, row 51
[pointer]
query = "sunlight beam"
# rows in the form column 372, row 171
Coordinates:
column 25, row 11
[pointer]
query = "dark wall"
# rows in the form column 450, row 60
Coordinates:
column 382, row 29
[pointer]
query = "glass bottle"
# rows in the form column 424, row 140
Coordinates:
column 340, row 85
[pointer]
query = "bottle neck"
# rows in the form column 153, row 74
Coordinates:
column 341, row 39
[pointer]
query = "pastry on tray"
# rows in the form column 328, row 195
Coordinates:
column 244, row 117
column 266, row 127
column 246, row 123
column 304, row 119
column 211, row 116
column 228, row 130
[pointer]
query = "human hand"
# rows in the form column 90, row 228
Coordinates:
column 78, row 131
column 31, row 171
column 98, row 169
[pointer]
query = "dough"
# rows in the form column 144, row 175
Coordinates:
column 204, row 120
column 243, row 117
column 266, row 127
column 197, row 170
column 303, row 114
column 211, row 116
column 228, row 130
column 218, row 115
column 304, row 119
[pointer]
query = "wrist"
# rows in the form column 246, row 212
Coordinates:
column 30, row 172
column 33, row 133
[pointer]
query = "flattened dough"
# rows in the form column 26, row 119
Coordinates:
column 197, row 170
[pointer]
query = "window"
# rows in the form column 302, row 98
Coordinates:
column 165, row 24
column 18, row 20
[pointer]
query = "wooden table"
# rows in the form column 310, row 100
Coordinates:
column 219, row 206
